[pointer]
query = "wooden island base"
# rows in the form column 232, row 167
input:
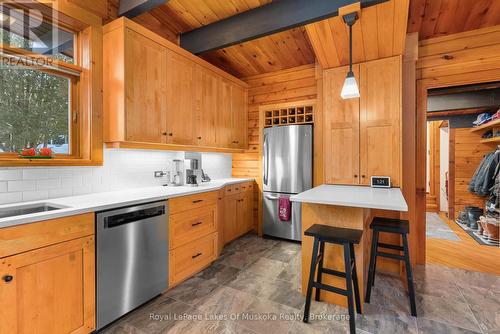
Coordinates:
column 337, row 216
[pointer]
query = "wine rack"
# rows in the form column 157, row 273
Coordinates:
column 289, row 115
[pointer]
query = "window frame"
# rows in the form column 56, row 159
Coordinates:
column 86, row 143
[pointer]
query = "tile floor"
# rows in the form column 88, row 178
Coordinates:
column 254, row 287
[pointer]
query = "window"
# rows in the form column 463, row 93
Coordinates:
column 42, row 58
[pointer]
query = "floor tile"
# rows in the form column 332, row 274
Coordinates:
column 426, row 326
column 192, row 290
column 267, row 267
column 218, row 273
column 379, row 320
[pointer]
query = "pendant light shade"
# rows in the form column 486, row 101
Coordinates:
column 350, row 89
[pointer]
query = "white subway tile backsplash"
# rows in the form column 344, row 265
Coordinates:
column 35, row 195
column 21, row 186
column 7, row 198
column 123, row 169
column 11, row 174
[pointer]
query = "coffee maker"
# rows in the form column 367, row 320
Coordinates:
column 176, row 173
column 192, row 166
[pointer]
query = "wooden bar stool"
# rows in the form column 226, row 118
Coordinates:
column 397, row 226
column 339, row 236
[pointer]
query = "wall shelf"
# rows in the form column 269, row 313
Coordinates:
column 289, row 115
column 491, row 140
column 487, row 126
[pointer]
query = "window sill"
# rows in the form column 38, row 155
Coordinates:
column 20, row 162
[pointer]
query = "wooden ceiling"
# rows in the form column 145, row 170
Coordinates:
column 434, row 18
column 380, row 31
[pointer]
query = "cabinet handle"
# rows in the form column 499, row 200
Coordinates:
column 8, row 278
column 197, row 201
column 363, row 176
column 199, row 138
column 355, row 175
column 196, row 224
column 170, row 134
column 195, row 256
column 163, row 133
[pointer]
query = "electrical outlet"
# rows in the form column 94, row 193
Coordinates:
column 159, row 174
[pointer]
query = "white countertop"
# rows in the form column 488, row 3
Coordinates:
column 107, row 200
column 354, row 196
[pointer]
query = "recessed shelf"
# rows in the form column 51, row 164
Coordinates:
column 278, row 116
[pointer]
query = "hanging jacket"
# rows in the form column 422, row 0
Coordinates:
column 478, row 172
column 483, row 187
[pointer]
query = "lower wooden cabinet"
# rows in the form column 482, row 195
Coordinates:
column 49, row 289
column 238, row 211
column 189, row 259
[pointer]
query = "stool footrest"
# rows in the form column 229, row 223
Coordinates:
column 389, row 246
column 391, row 256
column 333, row 272
column 330, row 288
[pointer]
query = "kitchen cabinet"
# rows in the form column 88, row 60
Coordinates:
column 341, row 132
column 48, row 289
column 238, row 211
column 380, row 119
column 362, row 137
column 159, row 96
column 207, row 100
column 180, row 99
column 193, row 234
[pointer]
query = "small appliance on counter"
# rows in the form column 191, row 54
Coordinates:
column 192, row 166
column 176, row 174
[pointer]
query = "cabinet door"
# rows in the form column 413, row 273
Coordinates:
column 230, row 218
column 250, row 205
column 341, row 131
column 145, row 87
column 180, row 99
column 220, row 221
column 207, row 86
column 241, row 215
column 52, row 289
column 239, row 120
column 224, row 115
column 380, row 117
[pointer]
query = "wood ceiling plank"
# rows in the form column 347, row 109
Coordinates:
column 284, row 50
column 385, row 28
column 303, row 43
column 432, row 11
column 369, row 28
column 416, row 15
column 492, row 17
column 401, row 8
column 450, row 12
column 475, row 16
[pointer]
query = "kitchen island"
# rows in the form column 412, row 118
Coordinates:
column 348, row 207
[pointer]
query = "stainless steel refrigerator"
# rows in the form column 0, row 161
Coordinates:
column 287, row 170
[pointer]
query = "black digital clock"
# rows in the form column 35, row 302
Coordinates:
column 381, row 181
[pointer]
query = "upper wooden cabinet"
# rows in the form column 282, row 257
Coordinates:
column 158, row 95
column 180, row 99
column 362, row 137
column 341, row 129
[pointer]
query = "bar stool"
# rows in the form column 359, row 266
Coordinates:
column 397, row 226
column 339, row 236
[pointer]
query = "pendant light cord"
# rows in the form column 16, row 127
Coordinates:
column 350, row 46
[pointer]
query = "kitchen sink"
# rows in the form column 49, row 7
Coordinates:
column 27, row 209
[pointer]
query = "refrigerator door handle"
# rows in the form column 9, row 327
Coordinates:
column 272, row 198
column 266, row 160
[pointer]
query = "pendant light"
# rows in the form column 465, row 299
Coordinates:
column 350, row 89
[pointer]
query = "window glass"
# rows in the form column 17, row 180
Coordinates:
column 34, row 110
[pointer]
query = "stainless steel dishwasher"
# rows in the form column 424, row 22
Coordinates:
column 132, row 258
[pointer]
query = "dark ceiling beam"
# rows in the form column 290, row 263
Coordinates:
column 133, row 8
column 269, row 19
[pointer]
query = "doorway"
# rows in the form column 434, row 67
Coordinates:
column 460, row 135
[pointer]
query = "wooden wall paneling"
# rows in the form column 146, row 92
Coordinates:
column 468, row 153
column 432, row 197
column 319, row 128
column 451, row 174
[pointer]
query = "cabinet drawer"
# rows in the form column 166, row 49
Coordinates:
column 191, row 225
column 187, row 260
column 191, row 202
